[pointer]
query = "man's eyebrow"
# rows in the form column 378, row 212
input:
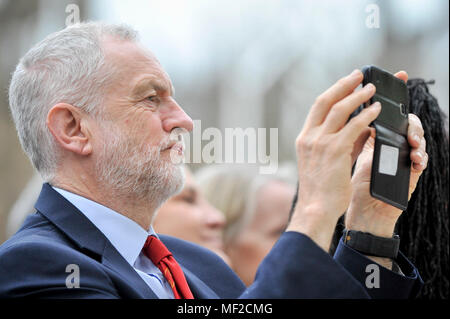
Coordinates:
column 147, row 84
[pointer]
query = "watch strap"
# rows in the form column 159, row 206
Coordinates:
column 372, row 245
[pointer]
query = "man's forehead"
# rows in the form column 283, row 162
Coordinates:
column 139, row 65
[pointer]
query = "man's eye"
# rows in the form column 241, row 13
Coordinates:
column 153, row 99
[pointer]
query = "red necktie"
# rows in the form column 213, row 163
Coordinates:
column 163, row 259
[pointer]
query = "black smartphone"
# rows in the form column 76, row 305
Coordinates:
column 391, row 166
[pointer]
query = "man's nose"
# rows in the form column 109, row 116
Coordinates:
column 214, row 218
column 176, row 117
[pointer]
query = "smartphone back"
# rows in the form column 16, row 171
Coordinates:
column 391, row 164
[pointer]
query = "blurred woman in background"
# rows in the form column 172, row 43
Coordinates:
column 189, row 216
column 424, row 226
column 256, row 209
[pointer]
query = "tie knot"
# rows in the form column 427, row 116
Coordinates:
column 155, row 250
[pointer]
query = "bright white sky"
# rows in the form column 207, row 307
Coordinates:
column 183, row 32
column 189, row 32
column 196, row 36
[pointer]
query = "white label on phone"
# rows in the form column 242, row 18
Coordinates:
column 388, row 160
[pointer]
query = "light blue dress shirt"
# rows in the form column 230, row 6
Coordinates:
column 126, row 236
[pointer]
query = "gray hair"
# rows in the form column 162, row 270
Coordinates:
column 66, row 67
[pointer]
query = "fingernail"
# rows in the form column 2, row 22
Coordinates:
column 376, row 105
column 355, row 73
column 421, row 157
column 416, row 138
column 369, row 87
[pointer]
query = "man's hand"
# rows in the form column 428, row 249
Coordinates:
column 371, row 215
column 325, row 150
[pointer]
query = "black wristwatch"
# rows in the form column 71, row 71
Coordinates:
column 372, row 245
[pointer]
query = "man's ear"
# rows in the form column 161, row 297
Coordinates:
column 68, row 124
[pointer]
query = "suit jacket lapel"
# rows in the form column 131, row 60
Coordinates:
column 198, row 288
column 114, row 261
column 68, row 219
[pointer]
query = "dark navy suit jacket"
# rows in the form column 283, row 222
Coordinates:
column 33, row 264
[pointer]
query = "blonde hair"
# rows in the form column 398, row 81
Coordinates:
column 233, row 190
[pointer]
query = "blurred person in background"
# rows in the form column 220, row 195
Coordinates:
column 24, row 205
column 256, row 208
column 189, row 216
column 425, row 224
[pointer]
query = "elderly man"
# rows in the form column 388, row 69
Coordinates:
column 95, row 113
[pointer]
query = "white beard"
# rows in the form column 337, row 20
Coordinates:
column 137, row 171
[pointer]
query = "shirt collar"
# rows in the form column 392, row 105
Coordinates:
column 125, row 235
